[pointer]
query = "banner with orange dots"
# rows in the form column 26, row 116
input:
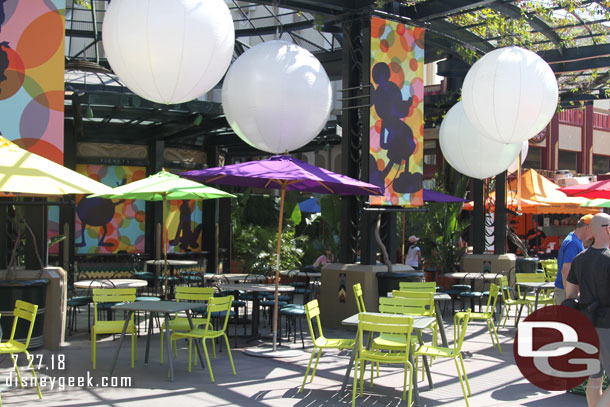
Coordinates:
column 396, row 134
column 32, row 75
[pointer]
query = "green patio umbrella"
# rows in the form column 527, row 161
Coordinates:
column 164, row 186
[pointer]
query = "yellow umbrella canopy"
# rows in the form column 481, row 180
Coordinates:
column 22, row 172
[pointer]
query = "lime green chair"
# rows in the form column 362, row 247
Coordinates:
column 461, row 319
column 179, row 323
column 312, row 311
column 487, row 316
column 26, row 311
column 109, row 296
column 428, row 306
column 390, row 326
column 508, row 301
column 217, row 306
column 429, row 286
column 359, row 298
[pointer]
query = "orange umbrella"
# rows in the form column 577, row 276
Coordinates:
column 535, row 187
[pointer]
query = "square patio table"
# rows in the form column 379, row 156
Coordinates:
column 419, row 323
column 537, row 288
column 159, row 307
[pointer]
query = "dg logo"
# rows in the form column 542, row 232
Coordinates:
column 556, row 348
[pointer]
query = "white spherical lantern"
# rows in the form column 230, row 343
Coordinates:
column 510, row 94
column 169, row 51
column 524, row 149
column 277, row 96
column 469, row 151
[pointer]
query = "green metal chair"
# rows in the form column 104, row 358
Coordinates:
column 109, row 296
column 26, row 311
column 312, row 310
column 359, row 297
column 179, row 323
column 487, row 316
column 218, row 306
column 461, row 319
column 508, row 301
column 390, row 326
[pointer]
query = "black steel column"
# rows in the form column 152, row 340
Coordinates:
column 500, row 215
column 154, row 210
column 478, row 222
column 355, row 146
column 67, row 213
column 36, row 217
column 210, row 221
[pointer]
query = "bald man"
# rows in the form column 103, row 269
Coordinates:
column 590, row 275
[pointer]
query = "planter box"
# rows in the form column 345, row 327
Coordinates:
column 54, row 325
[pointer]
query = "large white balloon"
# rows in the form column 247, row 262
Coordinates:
column 524, row 149
column 510, row 94
column 169, row 51
column 277, row 96
column 469, row 151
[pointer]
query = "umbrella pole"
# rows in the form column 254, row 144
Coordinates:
column 404, row 220
column 277, row 267
column 163, row 237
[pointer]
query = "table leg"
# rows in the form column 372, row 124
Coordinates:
column 118, row 348
column 150, row 329
column 170, row 355
column 350, row 365
column 255, row 314
column 441, row 326
column 536, row 301
column 197, row 343
column 426, row 366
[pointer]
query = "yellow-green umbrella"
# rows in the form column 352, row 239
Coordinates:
column 164, row 186
column 23, row 172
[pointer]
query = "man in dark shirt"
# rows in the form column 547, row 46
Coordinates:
column 590, row 274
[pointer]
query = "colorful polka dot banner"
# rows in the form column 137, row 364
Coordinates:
column 110, row 225
column 32, row 75
column 396, row 134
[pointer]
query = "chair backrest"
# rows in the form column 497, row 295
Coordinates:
column 494, row 290
column 417, row 286
column 194, row 293
column 550, row 271
column 312, row 310
column 26, row 311
column 505, row 289
column 385, row 324
column 461, row 323
column 359, row 297
column 219, row 304
column 405, row 306
column 424, row 295
column 101, row 295
column 528, row 278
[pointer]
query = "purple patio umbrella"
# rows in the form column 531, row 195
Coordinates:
column 434, row 196
column 285, row 173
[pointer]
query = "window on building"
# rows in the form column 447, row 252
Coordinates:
column 534, row 158
column 430, row 152
column 601, row 164
column 568, row 160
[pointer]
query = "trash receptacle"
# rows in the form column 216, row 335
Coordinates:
column 527, row 264
column 386, row 281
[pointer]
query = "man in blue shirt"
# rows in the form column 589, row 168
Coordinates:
column 571, row 246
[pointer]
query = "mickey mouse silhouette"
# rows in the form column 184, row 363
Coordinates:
column 395, row 135
column 184, row 235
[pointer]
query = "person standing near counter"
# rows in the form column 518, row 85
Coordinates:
column 570, row 247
